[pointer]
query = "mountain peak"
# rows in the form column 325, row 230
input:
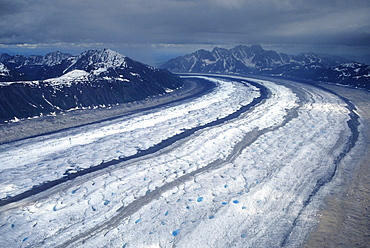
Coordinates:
column 257, row 48
column 253, row 59
column 104, row 55
column 97, row 59
column 100, row 77
column 3, row 70
column 4, row 56
column 57, row 53
column 54, row 58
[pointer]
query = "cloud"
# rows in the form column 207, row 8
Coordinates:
column 188, row 22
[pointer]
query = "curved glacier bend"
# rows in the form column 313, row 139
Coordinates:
column 240, row 183
column 353, row 124
column 36, row 189
column 205, row 88
column 250, row 137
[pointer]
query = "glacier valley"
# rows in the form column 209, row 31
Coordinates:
column 251, row 179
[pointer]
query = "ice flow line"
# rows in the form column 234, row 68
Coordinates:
column 264, row 92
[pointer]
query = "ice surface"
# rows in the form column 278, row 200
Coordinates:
column 89, row 146
column 259, row 170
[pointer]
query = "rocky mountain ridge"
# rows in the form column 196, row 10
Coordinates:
column 93, row 78
column 255, row 60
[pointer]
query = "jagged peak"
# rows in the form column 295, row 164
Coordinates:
column 55, row 57
column 57, row 53
column 201, row 51
column 4, row 56
column 219, row 52
column 217, row 49
column 104, row 54
column 4, row 71
column 257, row 48
column 97, row 59
column 241, row 47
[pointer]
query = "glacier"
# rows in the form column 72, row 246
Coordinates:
column 250, row 181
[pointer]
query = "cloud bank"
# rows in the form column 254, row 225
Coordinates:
column 160, row 23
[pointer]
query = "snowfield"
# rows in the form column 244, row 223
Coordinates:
column 255, row 180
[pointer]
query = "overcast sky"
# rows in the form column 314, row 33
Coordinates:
column 154, row 30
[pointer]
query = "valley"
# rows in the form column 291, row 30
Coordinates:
column 247, row 163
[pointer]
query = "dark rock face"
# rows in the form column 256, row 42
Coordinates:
column 352, row 74
column 93, row 78
column 20, row 61
column 246, row 59
column 32, row 67
column 7, row 74
column 256, row 60
column 240, row 59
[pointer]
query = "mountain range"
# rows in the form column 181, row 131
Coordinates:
column 30, row 86
column 57, row 82
column 255, row 60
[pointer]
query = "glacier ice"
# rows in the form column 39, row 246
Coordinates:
column 241, row 183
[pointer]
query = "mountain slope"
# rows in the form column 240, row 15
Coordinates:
column 243, row 59
column 32, row 67
column 255, row 60
column 352, row 74
column 93, row 78
column 7, row 74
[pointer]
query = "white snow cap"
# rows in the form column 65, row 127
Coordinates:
column 99, row 58
column 4, row 71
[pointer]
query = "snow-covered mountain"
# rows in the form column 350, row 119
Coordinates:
column 353, row 74
column 96, row 60
column 7, row 74
column 32, row 67
column 4, row 71
column 255, row 60
column 18, row 61
column 244, row 59
column 93, row 78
